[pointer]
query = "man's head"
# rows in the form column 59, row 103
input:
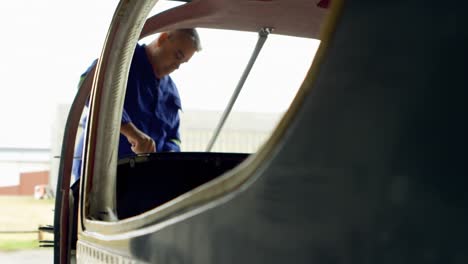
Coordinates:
column 171, row 49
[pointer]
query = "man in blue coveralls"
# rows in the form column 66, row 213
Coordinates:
column 150, row 118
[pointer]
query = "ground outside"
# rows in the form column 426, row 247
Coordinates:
column 19, row 239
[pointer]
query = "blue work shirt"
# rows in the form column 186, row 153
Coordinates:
column 152, row 104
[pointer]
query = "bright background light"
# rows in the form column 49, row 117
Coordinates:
column 47, row 44
column 45, row 47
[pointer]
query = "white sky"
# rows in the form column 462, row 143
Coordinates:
column 47, row 44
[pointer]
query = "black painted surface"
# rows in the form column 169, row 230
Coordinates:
column 142, row 186
column 373, row 168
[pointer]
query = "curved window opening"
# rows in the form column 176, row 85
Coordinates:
column 205, row 85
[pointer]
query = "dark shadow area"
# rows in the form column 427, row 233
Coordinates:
column 161, row 177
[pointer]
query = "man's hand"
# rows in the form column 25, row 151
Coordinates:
column 141, row 143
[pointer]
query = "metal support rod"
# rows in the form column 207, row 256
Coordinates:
column 262, row 37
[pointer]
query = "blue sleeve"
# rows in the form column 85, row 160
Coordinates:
column 83, row 77
column 125, row 117
column 172, row 143
column 77, row 157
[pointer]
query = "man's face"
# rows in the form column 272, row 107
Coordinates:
column 173, row 50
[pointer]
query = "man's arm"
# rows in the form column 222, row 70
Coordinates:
column 141, row 143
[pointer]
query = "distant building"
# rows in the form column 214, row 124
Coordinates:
column 242, row 132
column 27, row 183
column 22, row 168
column 58, row 127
